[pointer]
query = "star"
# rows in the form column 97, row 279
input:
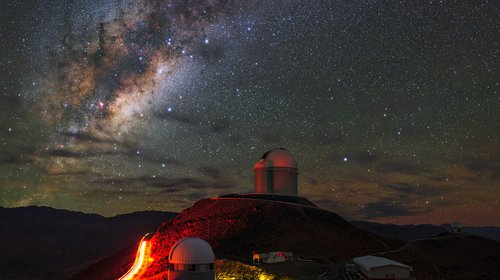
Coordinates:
column 204, row 89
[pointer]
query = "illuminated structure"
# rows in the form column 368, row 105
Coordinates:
column 272, row 257
column 276, row 173
column 371, row 267
column 191, row 258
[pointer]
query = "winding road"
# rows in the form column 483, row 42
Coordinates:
column 142, row 259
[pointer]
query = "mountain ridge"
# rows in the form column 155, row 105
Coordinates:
column 40, row 242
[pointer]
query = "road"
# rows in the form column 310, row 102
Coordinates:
column 335, row 271
column 332, row 271
column 142, row 260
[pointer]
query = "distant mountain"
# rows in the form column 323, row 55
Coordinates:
column 486, row 232
column 411, row 232
column 46, row 243
column 400, row 232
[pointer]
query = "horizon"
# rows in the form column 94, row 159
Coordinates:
column 166, row 211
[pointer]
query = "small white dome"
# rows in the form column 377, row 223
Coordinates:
column 279, row 157
column 191, row 250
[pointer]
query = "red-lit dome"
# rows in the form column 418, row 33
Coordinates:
column 259, row 164
column 279, row 157
column 191, row 250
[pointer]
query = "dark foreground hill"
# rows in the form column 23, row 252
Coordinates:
column 47, row 243
column 236, row 227
column 451, row 256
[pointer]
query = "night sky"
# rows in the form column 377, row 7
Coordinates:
column 391, row 108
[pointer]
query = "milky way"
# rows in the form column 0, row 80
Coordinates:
column 391, row 109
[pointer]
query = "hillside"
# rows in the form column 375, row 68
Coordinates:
column 236, row 227
column 47, row 243
column 400, row 232
column 410, row 232
column 451, row 256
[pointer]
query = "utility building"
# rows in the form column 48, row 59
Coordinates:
column 272, row 257
column 276, row 173
column 371, row 268
column 191, row 258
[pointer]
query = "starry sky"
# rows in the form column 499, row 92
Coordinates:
column 391, row 108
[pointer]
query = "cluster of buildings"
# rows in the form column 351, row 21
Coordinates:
column 272, row 257
column 276, row 172
column 192, row 258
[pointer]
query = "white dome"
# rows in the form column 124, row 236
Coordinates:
column 279, row 157
column 191, row 250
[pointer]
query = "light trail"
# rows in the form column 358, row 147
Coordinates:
column 138, row 263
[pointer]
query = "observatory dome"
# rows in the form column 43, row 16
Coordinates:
column 276, row 173
column 191, row 250
column 279, row 157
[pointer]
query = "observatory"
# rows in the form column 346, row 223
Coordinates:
column 191, row 258
column 456, row 227
column 276, row 172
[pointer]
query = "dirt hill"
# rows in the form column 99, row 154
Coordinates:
column 237, row 226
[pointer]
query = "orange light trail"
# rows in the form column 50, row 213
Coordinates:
column 138, row 263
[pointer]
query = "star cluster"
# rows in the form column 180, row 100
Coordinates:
column 391, row 108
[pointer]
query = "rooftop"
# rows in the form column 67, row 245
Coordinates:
column 370, row 262
column 191, row 250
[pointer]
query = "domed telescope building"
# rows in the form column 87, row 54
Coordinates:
column 191, row 258
column 276, row 173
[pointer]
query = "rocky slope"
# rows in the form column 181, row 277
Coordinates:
column 236, row 227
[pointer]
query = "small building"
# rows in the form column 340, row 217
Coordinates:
column 371, row 267
column 272, row 257
column 191, row 258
